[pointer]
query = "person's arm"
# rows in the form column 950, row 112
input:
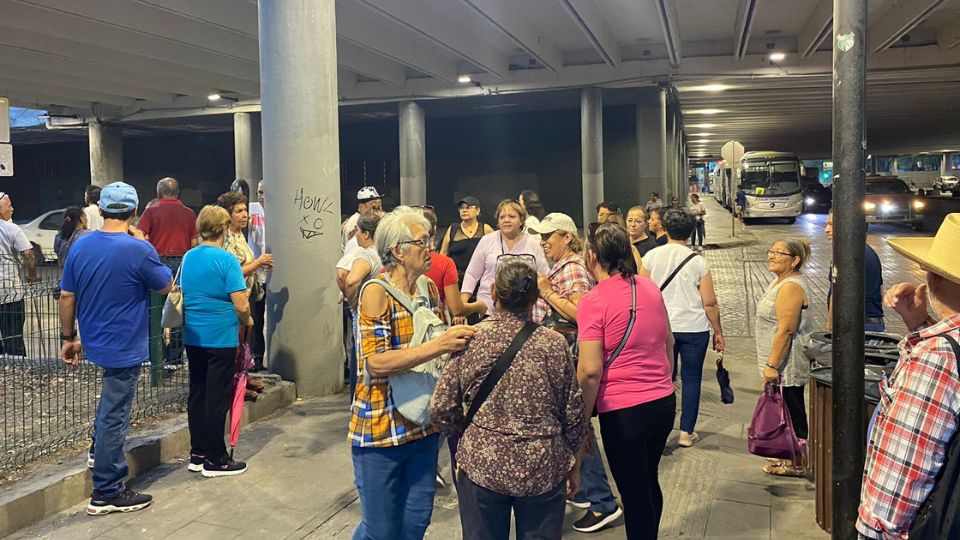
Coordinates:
column 589, row 372
column 910, row 302
column 264, row 260
column 458, row 306
column 145, row 223
column 445, row 245
column 789, row 304
column 446, row 403
column 70, row 349
column 241, row 305
column 487, row 229
column 576, row 422
column 475, row 269
column 342, row 280
column 29, row 261
column 358, row 272
column 712, row 308
column 637, row 259
column 830, row 315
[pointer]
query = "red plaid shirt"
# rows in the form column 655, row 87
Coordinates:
column 916, row 419
column 569, row 276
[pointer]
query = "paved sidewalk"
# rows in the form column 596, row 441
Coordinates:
column 722, row 230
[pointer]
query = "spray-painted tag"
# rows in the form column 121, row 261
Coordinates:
column 845, row 41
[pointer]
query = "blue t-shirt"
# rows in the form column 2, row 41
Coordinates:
column 741, row 198
column 208, row 275
column 112, row 275
column 872, row 284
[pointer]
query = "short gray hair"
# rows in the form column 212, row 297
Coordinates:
column 394, row 228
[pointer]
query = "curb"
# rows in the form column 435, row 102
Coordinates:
column 731, row 244
column 68, row 486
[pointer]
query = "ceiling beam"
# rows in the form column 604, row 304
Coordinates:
column 588, row 17
column 746, row 15
column 231, row 14
column 502, row 16
column 43, row 102
column 819, row 25
column 443, row 32
column 22, row 87
column 670, row 26
column 44, row 77
column 948, row 34
column 369, row 64
column 887, row 27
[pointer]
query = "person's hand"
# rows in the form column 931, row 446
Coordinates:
column 588, row 442
column 718, row 342
column 544, row 284
column 71, row 352
column 770, row 375
column 573, row 481
column 33, row 279
column 136, row 233
column 459, row 321
column 456, row 338
column 910, row 302
column 265, row 260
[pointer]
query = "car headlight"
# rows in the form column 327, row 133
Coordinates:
column 810, row 201
column 918, row 205
column 869, row 206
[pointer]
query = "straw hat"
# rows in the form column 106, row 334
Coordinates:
column 937, row 254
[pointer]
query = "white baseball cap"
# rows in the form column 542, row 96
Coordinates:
column 555, row 222
column 367, row 193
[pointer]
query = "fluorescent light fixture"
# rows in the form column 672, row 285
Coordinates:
column 705, row 111
column 702, row 126
column 463, row 79
column 777, row 56
column 214, row 97
column 712, row 87
column 701, row 134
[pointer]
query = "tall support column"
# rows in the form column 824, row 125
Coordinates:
column 945, row 164
column 894, row 170
column 664, row 149
column 301, row 159
column 873, row 164
column 649, row 151
column 247, row 152
column 106, row 153
column 413, row 154
column 849, row 141
column 591, row 151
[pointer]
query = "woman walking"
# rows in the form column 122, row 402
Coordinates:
column 783, row 326
column 697, row 209
column 632, row 390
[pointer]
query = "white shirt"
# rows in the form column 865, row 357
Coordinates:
column 94, row 219
column 368, row 254
column 256, row 236
column 697, row 210
column 682, row 296
column 347, row 230
column 13, row 241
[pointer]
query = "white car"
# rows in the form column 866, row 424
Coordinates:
column 42, row 230
column 946, row 183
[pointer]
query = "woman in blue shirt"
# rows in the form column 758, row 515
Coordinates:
column 215, row 303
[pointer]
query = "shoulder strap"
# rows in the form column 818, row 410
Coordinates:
column 677, row 271
column 633, row 319
column 501, row 367
column 392, row 291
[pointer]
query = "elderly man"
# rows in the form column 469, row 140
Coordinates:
column 170, row 226
column 916, row 420
column 367, row 200
column 16, row 258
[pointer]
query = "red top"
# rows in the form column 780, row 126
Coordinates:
column 443, row 272
column 170, row 227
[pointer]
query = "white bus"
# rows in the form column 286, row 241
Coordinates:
column 771, row 182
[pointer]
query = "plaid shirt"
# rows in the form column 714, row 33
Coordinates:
column 569, row 276
column 375, row 421
column 916, row 419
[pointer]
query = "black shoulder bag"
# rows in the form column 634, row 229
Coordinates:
column 936, row 517
column 633, row 319
column 676, row 271
column 501, row 367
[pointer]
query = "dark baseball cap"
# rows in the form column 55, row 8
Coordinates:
column 469, row 201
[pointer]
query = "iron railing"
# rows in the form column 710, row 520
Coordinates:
column 48, row 405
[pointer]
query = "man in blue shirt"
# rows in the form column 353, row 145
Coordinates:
column 106, row 286
column 873, row 284
column 741, row 202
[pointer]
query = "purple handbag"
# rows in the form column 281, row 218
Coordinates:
column 771, row 431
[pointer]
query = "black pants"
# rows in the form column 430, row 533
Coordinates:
column 633, row 441
column 485, row 514
column 259, row 346
column 793, row 398
column 12, row 318
column 211, row 392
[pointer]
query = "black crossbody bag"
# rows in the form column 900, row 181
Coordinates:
column 501, row 367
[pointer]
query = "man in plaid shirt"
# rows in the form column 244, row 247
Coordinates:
column 916, row 418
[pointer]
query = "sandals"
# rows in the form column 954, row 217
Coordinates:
column 250, row 395
column 255, row 385
column 785, row 469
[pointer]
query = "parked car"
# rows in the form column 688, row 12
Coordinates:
column 889, row 200
column 41, row 231
column 817, row 198
column 946, row 183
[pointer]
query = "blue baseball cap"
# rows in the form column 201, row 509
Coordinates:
column 118, row 197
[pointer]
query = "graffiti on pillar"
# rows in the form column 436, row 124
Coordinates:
column 312, row 210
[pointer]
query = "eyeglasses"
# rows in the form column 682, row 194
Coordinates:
column 423, row 242
column 423, row 207
column 466, row 206
column 524, row 258
column 778, row 254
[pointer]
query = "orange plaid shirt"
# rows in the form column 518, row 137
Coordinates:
column 375, row 422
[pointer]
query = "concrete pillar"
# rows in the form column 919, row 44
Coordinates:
column 894, row 170
column 873, row 164
column 591, row 151
column 413, row 154
column 301, row 161
column 106, row 154
column 247, row 152
column 664, row 149
column 945, row 164
column 649, row 151
column 671, row 158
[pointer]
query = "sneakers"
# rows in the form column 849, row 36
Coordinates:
column 90, row 461
column 687, row 440
column 593, row 522
column 196, row 462
column 441, row 483
column 127, row 501
column 583, row 505
column 224, row 467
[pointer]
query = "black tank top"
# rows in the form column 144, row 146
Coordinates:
column 461, row 251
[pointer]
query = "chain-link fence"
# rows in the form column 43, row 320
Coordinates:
column 48, row 405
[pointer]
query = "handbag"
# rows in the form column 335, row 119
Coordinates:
column 172, row 314
column 723, row 378
column 677, row 271
column 496, row 373
column 771, row 432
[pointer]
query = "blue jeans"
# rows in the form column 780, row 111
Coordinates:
column 396, row 487
column 350, row 345
column 874, row 327
column 594, row 486
column 691, row 349
column 110, row 428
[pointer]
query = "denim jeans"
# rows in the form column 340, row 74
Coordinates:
column 110, row 428
column 874, row 327
column 691, row 349
column 396, row 486
column 350, row 345
column 698, row 231
column 594, row 486
column 485, row 514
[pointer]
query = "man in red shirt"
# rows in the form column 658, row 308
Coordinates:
column 170, row 226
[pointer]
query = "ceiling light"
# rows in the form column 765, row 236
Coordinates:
column 705, row 111
column 702, row 126
column 701, row 134
column 214, row 97
column 463, row 79
column 713, row 87
column 776, row 56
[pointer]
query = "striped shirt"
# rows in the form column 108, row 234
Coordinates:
column 375, row 421
column 915, row 422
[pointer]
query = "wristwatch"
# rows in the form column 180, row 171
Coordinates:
column 70, row 337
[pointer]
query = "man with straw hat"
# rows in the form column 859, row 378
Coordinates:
column 916, row 419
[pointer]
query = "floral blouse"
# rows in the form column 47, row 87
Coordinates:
column 236, row 243
column 522, row 441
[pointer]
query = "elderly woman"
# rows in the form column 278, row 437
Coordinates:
column 509, row 240
column 443, row 273
column 687, row 286
column 632, row 391
column 215, row 304
column 637, row 228
column 395, row 459
column 518, row 452
column 783, row 326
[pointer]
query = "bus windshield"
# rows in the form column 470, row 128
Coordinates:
column 776, row 178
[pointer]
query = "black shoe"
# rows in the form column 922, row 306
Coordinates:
column 127, row 501
column 224, row 467
column 593, row 522
column 196, row 462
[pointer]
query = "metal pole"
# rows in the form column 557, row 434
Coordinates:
column 413, row 154
column 591, row 151
column 664, row 151
column 849, row 91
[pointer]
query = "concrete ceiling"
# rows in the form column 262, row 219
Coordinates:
column 139, row 60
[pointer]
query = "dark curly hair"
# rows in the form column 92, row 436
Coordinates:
column 678, row 222
column 610, row 243
column 230, row 199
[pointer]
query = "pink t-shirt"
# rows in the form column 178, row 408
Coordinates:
column 641, row 373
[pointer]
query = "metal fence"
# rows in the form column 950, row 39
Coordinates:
column 48, row 405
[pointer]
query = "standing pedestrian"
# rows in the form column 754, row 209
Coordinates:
column 461, row 240
column 655, row 224
column 606, row 209
column 637, row 228
column 91, row 198
column 368, row 200
column 873, row 285
column 531, row 204
column 653, row 203
column 698, row 211
column 741, row 203
column 106, row 287
column 17, row 261
column 443, row 273
column 73, row 228
column 257, row 239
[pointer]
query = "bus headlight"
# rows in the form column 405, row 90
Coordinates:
column 869, row 206
column 810, row 201
column 918, row 205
